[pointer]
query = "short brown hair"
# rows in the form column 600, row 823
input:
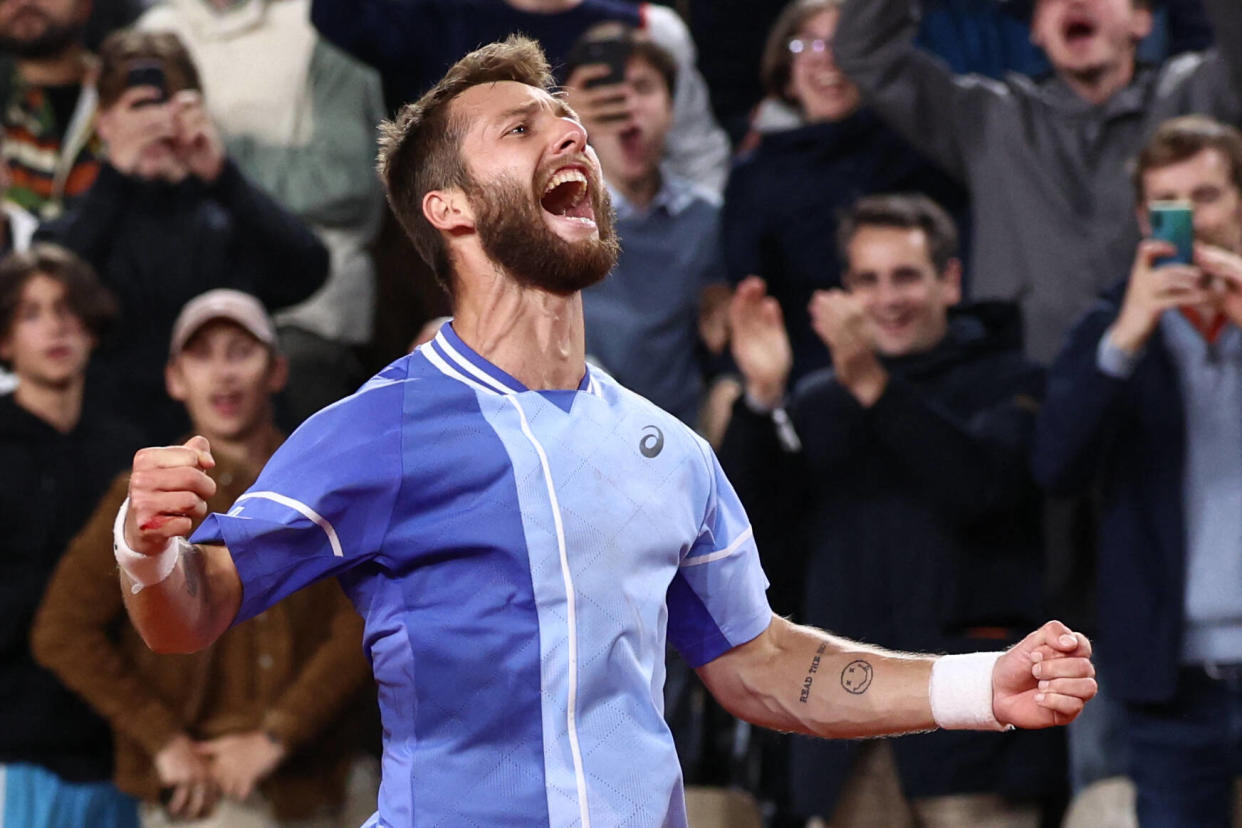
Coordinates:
column 86, row 296
column 420, row 149
column 777, row 64
column 1180, row 139
column 122, row 48
column 904, row 211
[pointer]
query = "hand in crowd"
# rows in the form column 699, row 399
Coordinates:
column 1045, row 679
column 168, row 491
column 240, row 761
column 153, row 139
column 1151, row 291
column 600, row 108
column 181, row 768
column 139, row 133
column 1225, row 271
column 839, row 319
column 198, row 142
column 760, row 343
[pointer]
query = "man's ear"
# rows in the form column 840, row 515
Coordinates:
column 173, row 381
column 1144, row 220
column 277, row 374
column 1141, row 24
column 6, row 349
column 952, row 278
column 449, row 211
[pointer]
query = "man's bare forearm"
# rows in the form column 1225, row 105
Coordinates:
column 189, row 609
column 804, row 680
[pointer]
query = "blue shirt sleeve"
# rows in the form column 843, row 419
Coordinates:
column 717, row 600
column 323, row 503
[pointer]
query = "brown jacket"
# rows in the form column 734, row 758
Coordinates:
column 290, row 671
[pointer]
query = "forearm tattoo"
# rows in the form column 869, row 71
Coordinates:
column 191, row 561
column 856, row 677
column 810, row 674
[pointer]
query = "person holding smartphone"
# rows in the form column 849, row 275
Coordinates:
column 172, row 216
column 1145, row 404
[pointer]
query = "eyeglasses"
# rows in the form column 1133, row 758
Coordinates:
column 801, row 44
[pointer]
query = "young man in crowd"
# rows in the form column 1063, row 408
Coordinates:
column 1145, row 405
column 49, row 103
column 170, row 217
column 524, row 535
column 820, row 149
column 303, row 130
column 643, row 322
column 58, row 456
column 1044, row 161
column 247, row 732
column 412, row 43
column 901, row 473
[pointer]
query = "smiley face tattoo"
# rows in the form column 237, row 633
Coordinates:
column 856, row 677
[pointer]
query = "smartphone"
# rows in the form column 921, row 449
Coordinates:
column 612, row 52
column 148, row 73
column 1174, row 222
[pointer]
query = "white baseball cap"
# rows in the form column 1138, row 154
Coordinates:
column 222, row 303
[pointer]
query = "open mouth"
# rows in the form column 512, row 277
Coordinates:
column 565, row 195
column 1078, row 30
column 631, row 140
column 227, row 403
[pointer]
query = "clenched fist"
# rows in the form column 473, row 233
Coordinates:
column 168, row 492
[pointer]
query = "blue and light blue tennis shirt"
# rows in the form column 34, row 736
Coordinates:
column 519, row 558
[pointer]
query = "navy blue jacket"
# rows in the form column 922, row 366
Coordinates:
column 1125, row 437
column 919, row 527
column 50, row 485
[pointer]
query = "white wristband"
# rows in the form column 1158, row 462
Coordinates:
column 143, row 570
column 961, row 692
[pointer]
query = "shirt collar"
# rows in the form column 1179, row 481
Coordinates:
column 454, row 357
column 674, row 197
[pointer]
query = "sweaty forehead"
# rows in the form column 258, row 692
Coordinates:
column 490, row 103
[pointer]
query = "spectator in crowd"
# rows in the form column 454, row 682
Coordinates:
column 58, row 456
column 49, row 103
column 1143, row 403
column 413, row 42
column 304, row 130
column 243, row 731
column 17, row 228
column 642, row 322
column 911, row 449
column 1043, row 161
column 820, row 150
column 170, row 217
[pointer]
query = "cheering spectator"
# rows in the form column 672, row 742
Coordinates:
column 241, row 731
column 170, row 217
column 820, row 151
column 49, row 103
column 1143, row 403
column 58, row 456
column 414, row 41
column 643, row 321
column 304, row 131
column 903, row 469
column 1044, row 161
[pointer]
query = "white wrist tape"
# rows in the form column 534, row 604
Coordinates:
column 143, row 570
column 961, row 692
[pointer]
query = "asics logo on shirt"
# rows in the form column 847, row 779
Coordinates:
column 652, row 442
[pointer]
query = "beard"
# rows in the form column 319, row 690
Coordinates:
column 55, row 38
column 515, row 236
